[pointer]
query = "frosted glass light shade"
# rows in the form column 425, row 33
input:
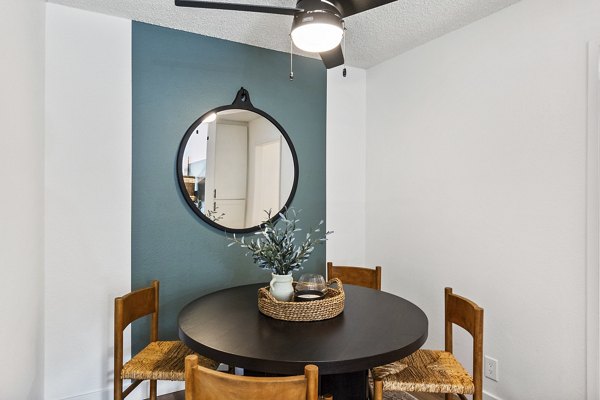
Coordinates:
column 317, row 37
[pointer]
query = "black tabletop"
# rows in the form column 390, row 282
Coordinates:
column 375, row 328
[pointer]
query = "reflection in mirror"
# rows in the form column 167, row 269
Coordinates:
column 237, row 164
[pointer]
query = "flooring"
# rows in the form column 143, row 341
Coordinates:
column 419, row 396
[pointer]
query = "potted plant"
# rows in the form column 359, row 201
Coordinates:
column 274, row 249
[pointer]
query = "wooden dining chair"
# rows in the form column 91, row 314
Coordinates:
column 359, row 276
column 435, row 371
column 205, row 384
column 160, row 360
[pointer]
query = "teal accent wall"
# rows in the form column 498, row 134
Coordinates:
column 178, row 76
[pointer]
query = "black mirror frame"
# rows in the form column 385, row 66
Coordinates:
column 241, row 102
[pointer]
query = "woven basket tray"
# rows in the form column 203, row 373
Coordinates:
column 328, row 307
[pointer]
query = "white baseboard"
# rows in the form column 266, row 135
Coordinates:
column 489, row 396
column 141, row 392
column 97, row 395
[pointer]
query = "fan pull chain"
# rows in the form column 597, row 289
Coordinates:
column 344, row 49
column 291, row 59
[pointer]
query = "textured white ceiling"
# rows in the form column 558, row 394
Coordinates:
column 372, row 37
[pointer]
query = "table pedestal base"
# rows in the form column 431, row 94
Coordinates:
column 349, row 386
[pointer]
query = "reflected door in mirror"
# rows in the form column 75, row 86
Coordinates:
column 226, row 172
column 236, row 167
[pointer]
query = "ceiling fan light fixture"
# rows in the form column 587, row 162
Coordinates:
column 317, row 32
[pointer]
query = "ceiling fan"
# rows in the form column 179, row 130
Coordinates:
column 318, row 25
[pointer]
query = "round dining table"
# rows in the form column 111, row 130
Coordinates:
column 375, row 328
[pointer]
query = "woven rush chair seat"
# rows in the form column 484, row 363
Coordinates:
column 431, row 371
column 162, row 360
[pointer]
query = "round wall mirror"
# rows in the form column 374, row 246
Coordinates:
column 235, row 164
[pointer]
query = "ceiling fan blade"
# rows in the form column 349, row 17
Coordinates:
column 351, row 7
column 333, row 57
column 236, row 7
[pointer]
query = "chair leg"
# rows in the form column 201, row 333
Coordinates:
column 152, row 389
column 118, row 386
column 377, row 390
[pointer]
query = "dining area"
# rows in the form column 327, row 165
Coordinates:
column 232, row 348
column 319, row 329
column 464, row 159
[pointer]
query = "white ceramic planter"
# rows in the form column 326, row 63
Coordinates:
column 281, row 287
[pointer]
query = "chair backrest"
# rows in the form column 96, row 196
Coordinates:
column 468, row 315
column 206, row 384
column 359, row 276
column 130, row 307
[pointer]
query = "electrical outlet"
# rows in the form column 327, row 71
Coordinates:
column 490, row 368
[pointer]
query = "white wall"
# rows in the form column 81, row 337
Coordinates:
column 346, row 119
column 22, row 211
column 88, row 196
column 476, row 161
